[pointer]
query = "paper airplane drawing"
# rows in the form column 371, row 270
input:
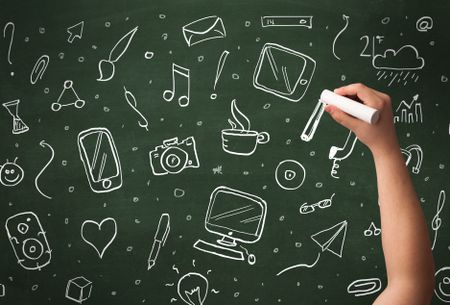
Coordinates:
column 332, row 239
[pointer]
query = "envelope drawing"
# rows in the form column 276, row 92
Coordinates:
column 204, row 29
column 283, row 72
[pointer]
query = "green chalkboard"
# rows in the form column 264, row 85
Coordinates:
column 159, row 152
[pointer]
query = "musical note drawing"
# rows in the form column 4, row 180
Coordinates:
column 131, row 100
column 372, row 230
column 220, row 64
column 106, row 67
column 13, row 29
column 44, row 144
column 346, row 19
column 437, row 221
column 181, row 82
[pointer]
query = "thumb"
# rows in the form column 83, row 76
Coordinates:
column 342, row 118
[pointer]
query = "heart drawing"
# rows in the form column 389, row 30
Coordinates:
column 99, row 235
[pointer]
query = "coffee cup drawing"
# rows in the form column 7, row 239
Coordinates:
column 239, row 139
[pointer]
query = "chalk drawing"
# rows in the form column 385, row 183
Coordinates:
column 75, row 31
column 364, row 287
column 442, row 289
column 337, row 154
column 52, row 151
column 437, row 220
column 162, row 232
column 346, row 20
column 236, row 216
column 28, row 240
column 181, row 82
column 331, row 239
column 77, row 102
column 286, row 21
column 100, row 159
column 290, row 175
column 39, row 68
column 409, row 112
column 193, row 288
column 18, row 125
column 106, row 67
column 372, row 230
column 78, row 289
column 413, row 150
column 107, row 229
column 322, row 204
column 11, row 40
column 424, row 24
column 131, row 100
column 223, row 57
column 313, row 122
column 11, row 173
column 405, row 58
column 204, row 29
column 240, row 140
column 173, row 156
column 272, row 75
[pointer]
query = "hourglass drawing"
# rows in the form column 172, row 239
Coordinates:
column 18, row 125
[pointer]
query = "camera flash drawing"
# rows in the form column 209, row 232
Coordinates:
column 331, row 239
column 172, row 157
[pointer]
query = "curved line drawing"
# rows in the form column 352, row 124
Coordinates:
column 39, row 68
column 286, row 177
column 437, row 221
column 131, row 100
column 408, row 152
column 346, row 19
column 424, row 24
column 13, row 29
column 300, row 266
column 220, row 65
column 44, row 144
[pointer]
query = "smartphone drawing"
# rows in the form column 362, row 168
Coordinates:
column 100, row 159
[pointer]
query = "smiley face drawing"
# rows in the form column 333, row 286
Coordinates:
column 442, row 289
column 11, row 174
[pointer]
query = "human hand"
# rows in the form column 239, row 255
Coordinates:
column 380, row 137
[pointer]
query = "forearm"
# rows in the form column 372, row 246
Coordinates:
column 405, row 240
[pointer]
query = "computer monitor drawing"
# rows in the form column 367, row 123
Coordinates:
column 236, row 216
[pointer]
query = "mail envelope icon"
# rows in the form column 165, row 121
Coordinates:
column 204, row 29
column 283, row 72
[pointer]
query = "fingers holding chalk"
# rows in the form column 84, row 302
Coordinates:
column 369, row 97
column 342, row 118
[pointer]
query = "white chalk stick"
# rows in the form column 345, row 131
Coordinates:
column 354, row 108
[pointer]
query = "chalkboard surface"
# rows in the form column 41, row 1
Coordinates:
column 165, row 152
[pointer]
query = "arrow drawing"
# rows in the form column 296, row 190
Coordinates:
column 44, row 144
column 75, row 31
column 346, row 19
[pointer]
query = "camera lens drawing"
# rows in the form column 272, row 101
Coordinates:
column 173, row 156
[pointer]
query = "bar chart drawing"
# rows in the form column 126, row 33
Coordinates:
column 409, row 112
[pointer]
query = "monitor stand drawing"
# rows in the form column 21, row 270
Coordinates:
column 226, row 247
